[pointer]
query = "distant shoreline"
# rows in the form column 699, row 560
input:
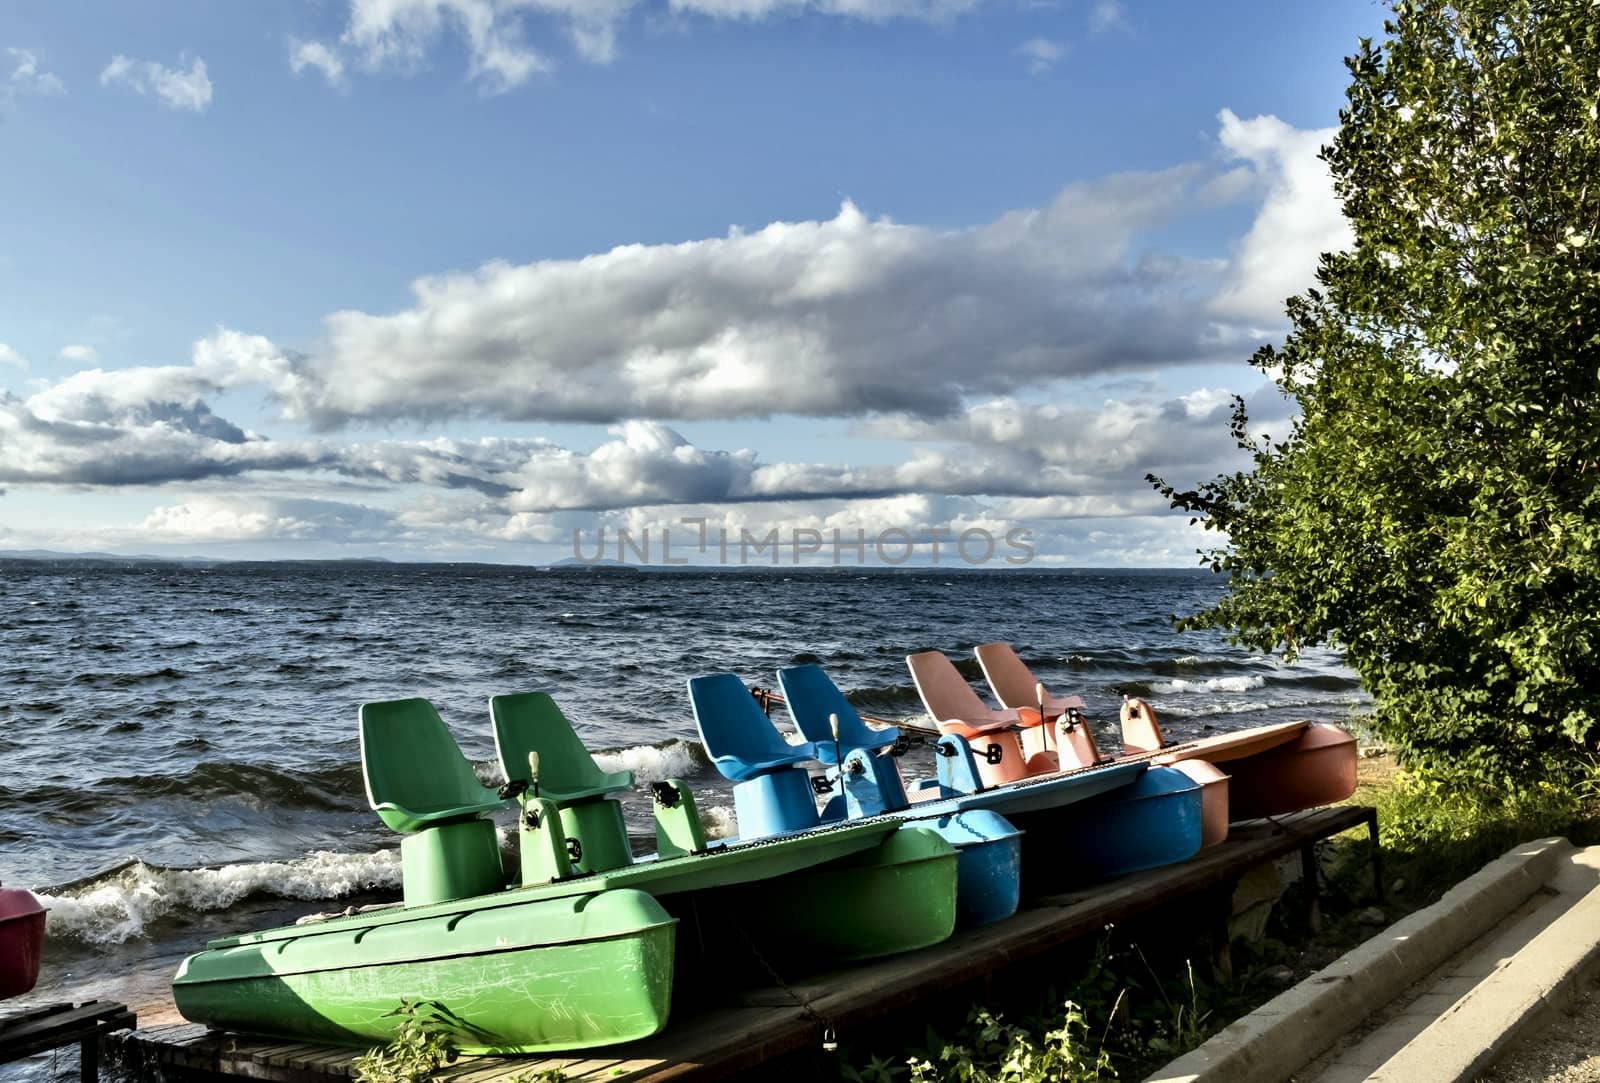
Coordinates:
column 569, row 565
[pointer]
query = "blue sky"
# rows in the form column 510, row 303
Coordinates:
column 453, row 279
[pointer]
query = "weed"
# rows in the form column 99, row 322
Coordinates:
column 417, row 1051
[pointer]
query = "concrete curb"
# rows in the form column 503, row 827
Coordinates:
column 1543, row 977
column 1286, row 1033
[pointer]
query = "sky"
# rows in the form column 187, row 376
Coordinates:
column 504, row 280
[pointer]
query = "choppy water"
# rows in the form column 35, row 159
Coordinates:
column 206, row 716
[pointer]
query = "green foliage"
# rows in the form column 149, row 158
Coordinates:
column 416, row 1053
column 1435, row 835
column 1434, row 511
column 990, row 1050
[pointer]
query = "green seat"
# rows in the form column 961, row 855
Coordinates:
column 420, row 784
column 531, row 722
column 416, row 776
column 570, row 783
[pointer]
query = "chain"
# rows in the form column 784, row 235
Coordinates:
column 830, row 1039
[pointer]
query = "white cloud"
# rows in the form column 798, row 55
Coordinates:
column 401, row 35
column 846, row 316
column 1300, row 218
column 1041, row 54
column 1107, row 15
column 316, row 54
column 27, row 80
column 79, row 354
column 173, row 87
column 241, row 519
column 9, row 355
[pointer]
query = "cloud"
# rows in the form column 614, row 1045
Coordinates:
column 316, row 54
column 173, row 87
column 1108, row 15
column 137, row 426
column 1299, row 219
column 1041, row 54
column 967, row 349
column 27, row 80
column 11, row 356
column 244, row 519
column 79, row 354
column 841, row 317
column 153, row 426
column 401, row 35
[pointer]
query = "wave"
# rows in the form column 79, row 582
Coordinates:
column 123, row 903
column 719, row 822
column 654, row 763
column 331, row 789
column 1213, row 684
column 128, row 680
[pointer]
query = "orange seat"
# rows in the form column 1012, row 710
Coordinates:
column 956, row 708
column 1014, row 686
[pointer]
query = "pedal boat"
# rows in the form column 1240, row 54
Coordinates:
column 577, row 957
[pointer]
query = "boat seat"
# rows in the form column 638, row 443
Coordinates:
column 772, row 794
column 956, row 709
column 531, row 722
column 1140, row 730
column 1014, row 685
column 740, row 739
column 415, row 773
column 570, row 784
column 812, row 698
column 420, row 784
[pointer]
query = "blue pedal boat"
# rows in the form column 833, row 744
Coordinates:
column 774, row 795
column 1081, row 825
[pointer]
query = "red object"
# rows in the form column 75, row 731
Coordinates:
column 21, row 941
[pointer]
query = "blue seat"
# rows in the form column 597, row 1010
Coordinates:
column 740, row 739
column 812, row 697
column 772, row 793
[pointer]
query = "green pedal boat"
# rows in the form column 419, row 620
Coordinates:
column 587, row 951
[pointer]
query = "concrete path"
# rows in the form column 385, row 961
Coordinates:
column 1436, row 996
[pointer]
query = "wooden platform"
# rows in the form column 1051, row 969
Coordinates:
column 50, row 1026
column 760, row 1024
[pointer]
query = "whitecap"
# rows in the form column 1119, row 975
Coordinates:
column 124, row 905
column 651, row 763
column 719, row 822
column 1215, row 684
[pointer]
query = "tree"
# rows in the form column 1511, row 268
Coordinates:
column 1434, row 510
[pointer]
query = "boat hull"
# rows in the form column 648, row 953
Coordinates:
column 1215, row 807
column 897, row 897
column 1234, row 745
column 1317, row 768
column 1156, row 821
column 493, row 974
column 21, row 941
column 988, row 865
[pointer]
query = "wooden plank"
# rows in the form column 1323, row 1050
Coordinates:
column 35, row 1032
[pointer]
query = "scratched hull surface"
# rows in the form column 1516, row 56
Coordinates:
column 495, row 976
